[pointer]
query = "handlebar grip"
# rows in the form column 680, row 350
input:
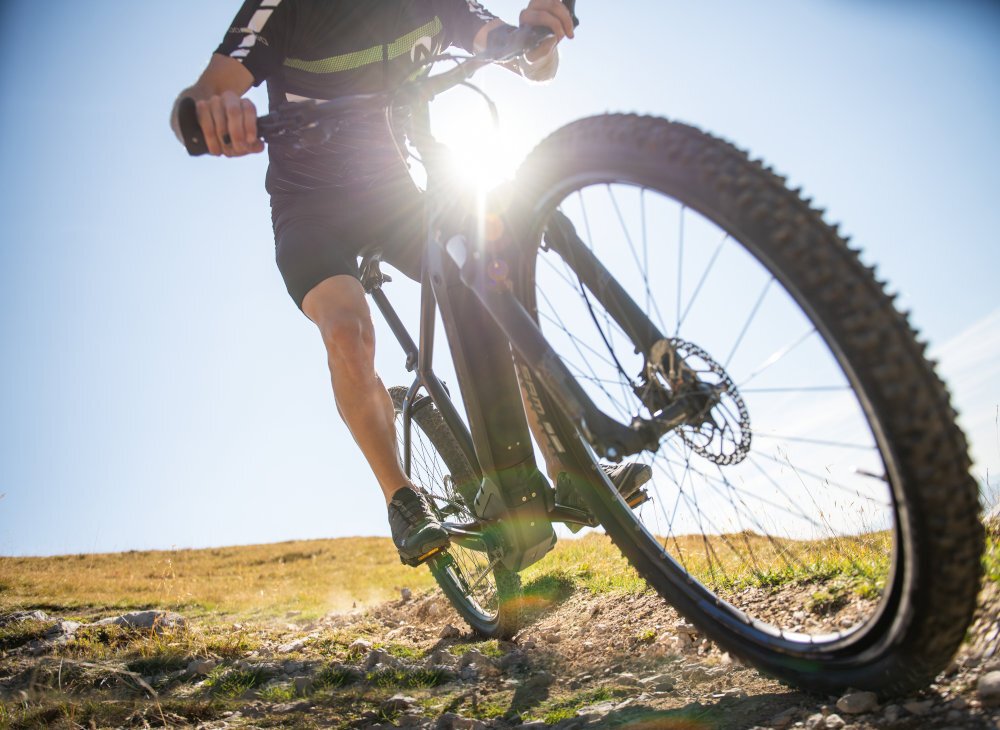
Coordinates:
column 187, row 119
column 571, row 7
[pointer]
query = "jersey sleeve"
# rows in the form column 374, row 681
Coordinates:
column 258, row 37
column 462, row 19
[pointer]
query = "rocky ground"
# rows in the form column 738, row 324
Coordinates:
column 587, row 661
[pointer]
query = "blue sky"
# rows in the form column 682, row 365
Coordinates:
column 157, row 386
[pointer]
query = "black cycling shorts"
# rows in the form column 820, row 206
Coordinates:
column 321, row 233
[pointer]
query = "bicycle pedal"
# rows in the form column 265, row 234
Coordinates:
column 416, row 562
column 640, row 497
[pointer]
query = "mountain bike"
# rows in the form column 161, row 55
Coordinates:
column 643, row 290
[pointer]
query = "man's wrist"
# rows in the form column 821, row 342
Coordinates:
column 542, row 69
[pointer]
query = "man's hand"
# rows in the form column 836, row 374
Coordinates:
column 553, row 15
column 229, row 124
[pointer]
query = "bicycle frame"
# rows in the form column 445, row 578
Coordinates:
column 466, row 278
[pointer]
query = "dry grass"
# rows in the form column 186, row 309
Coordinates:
column 320, row 576
column 314, row 577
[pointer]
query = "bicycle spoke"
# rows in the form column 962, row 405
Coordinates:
column 750, row 319
column 701, row 282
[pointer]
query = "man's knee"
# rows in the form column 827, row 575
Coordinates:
column 348, row 335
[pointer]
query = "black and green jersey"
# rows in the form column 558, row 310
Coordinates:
column 324, row 49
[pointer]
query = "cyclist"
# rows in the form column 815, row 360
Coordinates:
column 333, row 200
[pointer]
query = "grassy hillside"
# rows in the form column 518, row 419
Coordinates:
column 317, row 577
column 314, row 577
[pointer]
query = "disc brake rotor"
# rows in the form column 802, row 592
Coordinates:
column 722, row 434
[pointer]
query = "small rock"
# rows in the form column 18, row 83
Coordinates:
column 442, row 657
column 539, row 680
column 571, row 724
column 628, row 679
column 61, row 630
column 727, row 660
column 19, row 616
column 891, row 713
column 201, row 667
column 599, row 710
column 292, row 614
column 657, row 683
column 514, row 661
column 469, row 673
column 834, row 722
column 398, row 703
column 451, row 721
column 815, row 721
column 450, row 632
column 359, row 646
column 378, row 658
column 684, row 628
column 156, row 620
column 918, row 708
column 303, row 685
column 472, row 656
column 784, row 718
column 287, row 707
column 291, row 646
column 988, row 689
column 857, row 703
column 551, row 636
column 293, row 667
column 405, row 594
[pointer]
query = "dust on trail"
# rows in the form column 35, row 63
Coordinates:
column 587, row 660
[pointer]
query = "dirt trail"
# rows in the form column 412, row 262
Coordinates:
column 589, row 661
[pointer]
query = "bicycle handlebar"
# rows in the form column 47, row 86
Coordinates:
column 301, row 115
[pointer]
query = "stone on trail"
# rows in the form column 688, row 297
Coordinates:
column 891, row 713
column 857, row 703
column 450, row 632
column 452, row 721
column 599, row 710
column 834, row 722
column 785, row 718
column 19, row 616
column 291, row 646
column 657, row 683
column 359, row 646
column 918, row 708
column 988, row 689
column 398, row 703
column 201, row 667
column 159, row 621
column 405, row 594
column 815, row 721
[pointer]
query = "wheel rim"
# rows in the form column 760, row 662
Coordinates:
column 809, row 515
column 467, row 573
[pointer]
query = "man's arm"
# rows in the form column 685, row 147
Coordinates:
column 228, row 121
column 541, row 63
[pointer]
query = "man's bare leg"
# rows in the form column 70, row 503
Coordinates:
column 338, row 307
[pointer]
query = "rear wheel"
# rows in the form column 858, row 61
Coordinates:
column 487, row 595
column 819, row 520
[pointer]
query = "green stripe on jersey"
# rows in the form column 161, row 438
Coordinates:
column 358, row 59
